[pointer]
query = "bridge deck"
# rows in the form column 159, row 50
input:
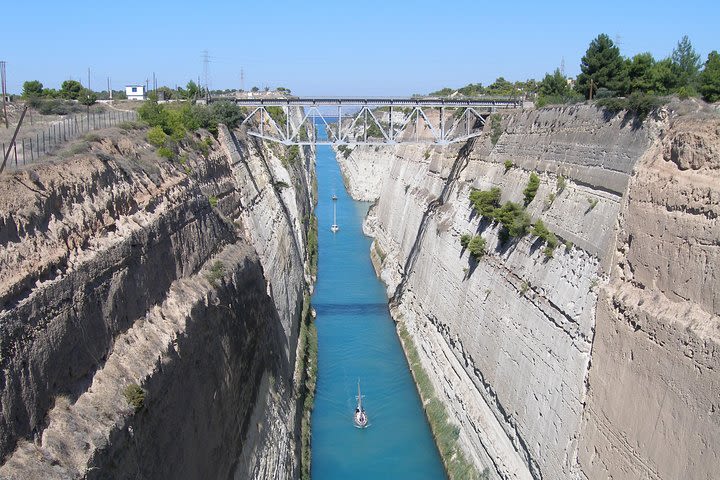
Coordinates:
column 504, row 102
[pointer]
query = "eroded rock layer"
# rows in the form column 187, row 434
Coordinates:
column 183, row 277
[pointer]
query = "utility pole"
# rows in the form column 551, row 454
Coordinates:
column 88, row 84
column 591, row 88
column 109, row 89
column 242, row 79
column 562, row 66
column 206, row 62
column 3, row 81
column 154, row 83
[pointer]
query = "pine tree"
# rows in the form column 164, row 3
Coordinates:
column 710, row 78
column 687, row 61
column 602, row 64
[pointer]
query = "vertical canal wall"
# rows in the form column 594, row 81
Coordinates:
column 185, row 278
column 594, row 361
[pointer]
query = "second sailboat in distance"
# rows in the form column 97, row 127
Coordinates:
column 334, row 227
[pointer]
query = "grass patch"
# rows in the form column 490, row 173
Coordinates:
column 445, row 433
column 135, row 396
column 216, row 272
column 307, row 368
column 214, row 200
column 508, row 165
column 78, row 148
column 381, row 255
column 127, row 126
column 312, row 245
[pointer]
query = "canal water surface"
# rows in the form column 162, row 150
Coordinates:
column 357, row 341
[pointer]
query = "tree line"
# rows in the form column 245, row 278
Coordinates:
column 606, row 74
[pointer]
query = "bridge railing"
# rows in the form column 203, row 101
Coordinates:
column 497, row 102
column 354, row 120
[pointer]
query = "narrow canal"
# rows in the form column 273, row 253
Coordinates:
column 357, row 341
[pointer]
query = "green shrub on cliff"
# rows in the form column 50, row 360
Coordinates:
column 542, row 232
column 531, row 188
column 216, row 273
column 514, row 218
column 156, row 136
column 485, row 201
column 476, row 247
column 465, row 240
column 135, row 396
column 495, row 128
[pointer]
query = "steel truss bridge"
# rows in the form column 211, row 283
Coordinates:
column 357, row 121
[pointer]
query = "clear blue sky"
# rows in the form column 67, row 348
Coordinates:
column 333, row 47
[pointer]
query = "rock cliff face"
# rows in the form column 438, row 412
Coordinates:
column 184, row 277
column 512, row 337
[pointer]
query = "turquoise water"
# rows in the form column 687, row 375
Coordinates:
column 357, row 340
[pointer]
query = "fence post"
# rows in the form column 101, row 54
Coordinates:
column 37, row 143
column 32, row 154
column 23, row 147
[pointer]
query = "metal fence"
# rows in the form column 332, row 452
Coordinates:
column 30, row 148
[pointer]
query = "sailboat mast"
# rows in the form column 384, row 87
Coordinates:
column 359, row 397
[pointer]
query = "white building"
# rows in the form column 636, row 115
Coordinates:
column 135, row 92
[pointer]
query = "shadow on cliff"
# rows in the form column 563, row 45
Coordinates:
column 200, row 401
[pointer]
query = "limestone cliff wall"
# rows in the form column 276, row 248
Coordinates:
column 654, row 387
column 118, row 267
column 511, row 337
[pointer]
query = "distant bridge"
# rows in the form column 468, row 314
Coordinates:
column 357, row 121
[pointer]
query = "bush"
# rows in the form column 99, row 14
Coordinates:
column 561, row 184
column 293, row 155
column 156, row 136
column 531, row 188
column 495, row 128
column 57, row 107
column 227, row 113
column 135, row 396
column 638, row 104
column 541, row 231
column 485, row 201
column 592, row 203
column 514, row 218
column 130, row 125
column 476, row 247
column 213, row 201
column 508, row 165
column 166, row 153
column 216, row 272
column 465, row 240
column 278, row 115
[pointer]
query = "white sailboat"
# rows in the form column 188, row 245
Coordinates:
column 334, row 227
column 360, row 418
